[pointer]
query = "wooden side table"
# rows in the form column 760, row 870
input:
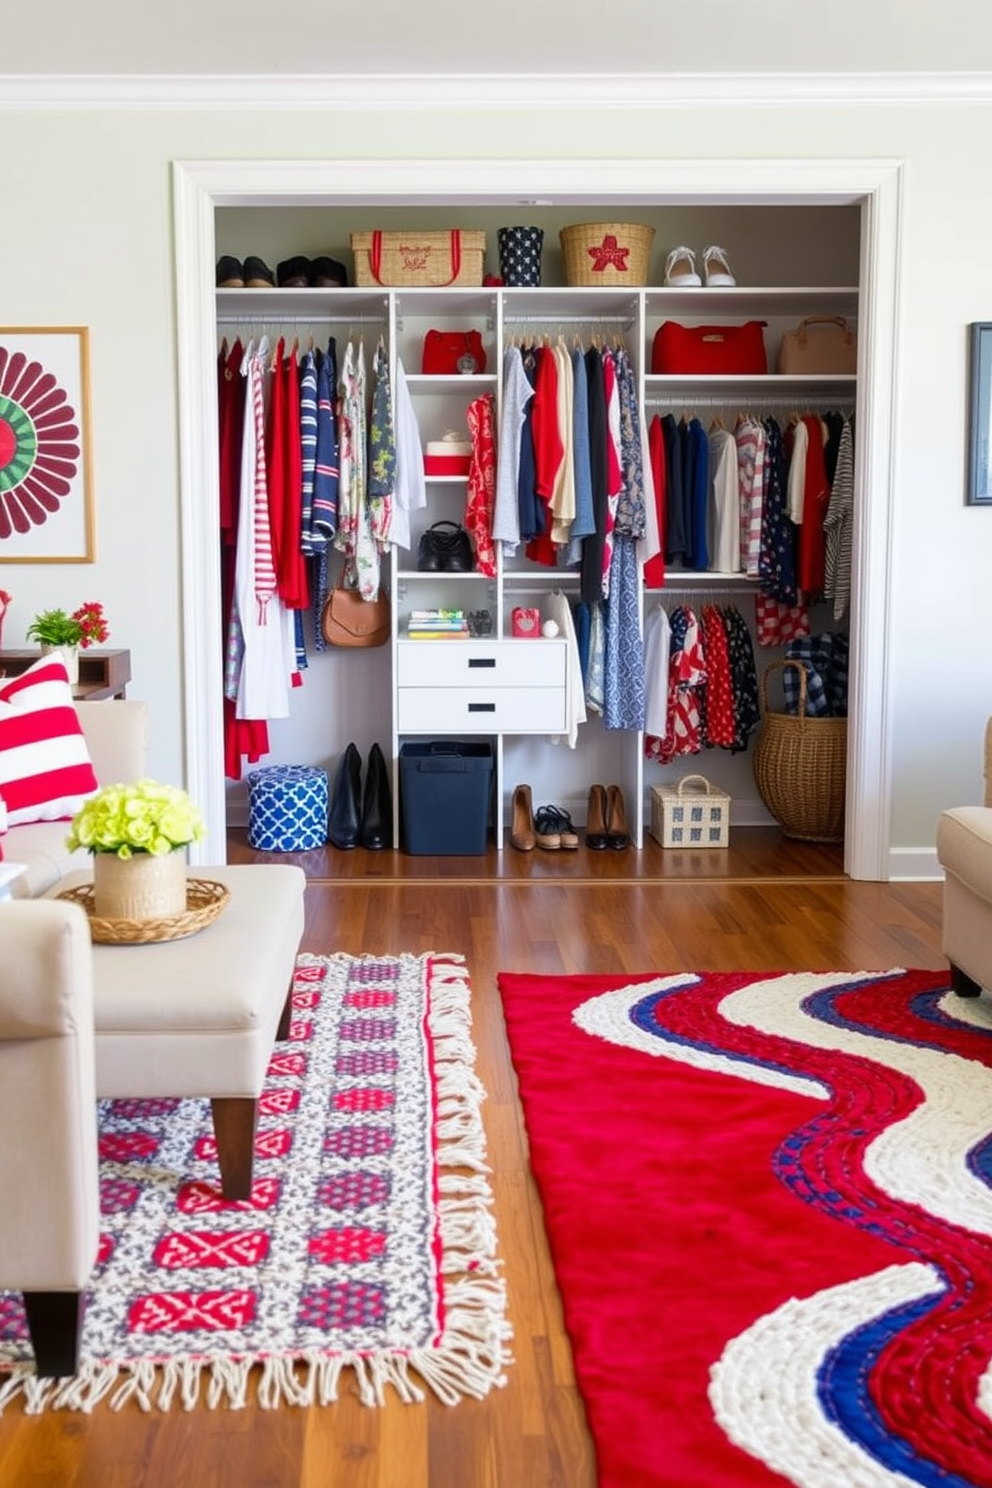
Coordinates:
column 102, row 674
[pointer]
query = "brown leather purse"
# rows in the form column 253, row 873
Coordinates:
column 349, row 620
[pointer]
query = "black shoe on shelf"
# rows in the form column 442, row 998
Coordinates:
column 328, row 273
column 344, row 817
column 230, row 272
column 293, row 273
column 377, row 803
column 258, row 275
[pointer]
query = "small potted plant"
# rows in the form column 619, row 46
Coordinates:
column 138, row 835
column 57, row 630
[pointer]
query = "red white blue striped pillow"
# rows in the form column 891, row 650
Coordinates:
column 45, row 768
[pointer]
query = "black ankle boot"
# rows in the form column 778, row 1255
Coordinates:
column 344, row 816
column 377, row 805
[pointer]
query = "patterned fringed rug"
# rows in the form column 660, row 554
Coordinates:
column 769, row 1202
column 367, row 1249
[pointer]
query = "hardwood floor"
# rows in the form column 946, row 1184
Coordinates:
column 594, row 912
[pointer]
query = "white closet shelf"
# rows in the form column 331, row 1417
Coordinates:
column 743, row 302
column 460, row 300
column 581, row 303
column 277, row 305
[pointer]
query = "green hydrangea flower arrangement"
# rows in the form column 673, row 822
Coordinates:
column 145, row 817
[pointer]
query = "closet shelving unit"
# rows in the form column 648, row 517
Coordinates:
column 520, row 700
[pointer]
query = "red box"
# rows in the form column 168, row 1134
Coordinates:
column 447, row 464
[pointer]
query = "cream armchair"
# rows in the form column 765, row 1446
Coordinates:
column 50, row 1218
column 964, row 850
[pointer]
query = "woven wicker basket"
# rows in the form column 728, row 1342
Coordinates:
column 597, row 253
column 417, row 259
column 800, row 767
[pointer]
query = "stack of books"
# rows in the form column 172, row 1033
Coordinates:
column 429, row 625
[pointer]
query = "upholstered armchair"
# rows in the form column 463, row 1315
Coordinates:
column 964, row 850
column 49, row 1219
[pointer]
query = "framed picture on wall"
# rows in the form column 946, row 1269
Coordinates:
column 46, row 510
column 979, row 491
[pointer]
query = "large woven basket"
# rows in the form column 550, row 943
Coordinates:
column 418, row 259
column 800, row 766
column 597, row 253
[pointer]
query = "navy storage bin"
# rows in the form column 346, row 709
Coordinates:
column 287, row 808
column 520, row 255
column 444, row 796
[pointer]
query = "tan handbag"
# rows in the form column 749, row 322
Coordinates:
column 819, row 344
column 349, row 620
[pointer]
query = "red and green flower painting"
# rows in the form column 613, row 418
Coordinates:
column 44, row 506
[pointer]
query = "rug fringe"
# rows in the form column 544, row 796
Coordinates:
column 472, row 1354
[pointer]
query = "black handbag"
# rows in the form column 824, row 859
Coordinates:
column 445, row 548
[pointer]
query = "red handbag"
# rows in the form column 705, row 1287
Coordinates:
column 721, row 351
column 449, row 352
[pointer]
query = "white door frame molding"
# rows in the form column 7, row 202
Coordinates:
column 200, row 187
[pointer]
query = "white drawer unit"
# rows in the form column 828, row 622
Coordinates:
column 482, row 687
column 481, row 663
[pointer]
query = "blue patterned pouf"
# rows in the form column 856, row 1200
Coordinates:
column 287, row 808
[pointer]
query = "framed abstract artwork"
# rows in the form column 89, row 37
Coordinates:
column 979, row 491
column 46, row 504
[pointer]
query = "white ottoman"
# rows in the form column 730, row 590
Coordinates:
column 200, row 1016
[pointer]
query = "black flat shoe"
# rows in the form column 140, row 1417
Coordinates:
column 328, row 273
column 230, row 272
column 293, row 273
column 258, row 275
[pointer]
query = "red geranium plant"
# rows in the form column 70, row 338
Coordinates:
column 93, row 628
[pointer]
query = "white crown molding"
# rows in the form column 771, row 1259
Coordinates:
column 442, row 91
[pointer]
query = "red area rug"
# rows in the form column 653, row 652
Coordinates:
column 769, row 1208
column 366, row 1255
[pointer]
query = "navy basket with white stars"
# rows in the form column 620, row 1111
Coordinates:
column 287, row 808
column 520, row 256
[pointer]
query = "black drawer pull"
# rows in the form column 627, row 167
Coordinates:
column 482, row 707
column 482, row 661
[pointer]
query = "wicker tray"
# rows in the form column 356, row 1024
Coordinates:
column 205, row 898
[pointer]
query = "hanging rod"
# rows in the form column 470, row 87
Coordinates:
column 590, row 320
column 702, row 583
column 301, row 320
column 741, row 400
column 569, row 577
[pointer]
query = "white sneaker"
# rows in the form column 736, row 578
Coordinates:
column 717, row 269
column 680, row 269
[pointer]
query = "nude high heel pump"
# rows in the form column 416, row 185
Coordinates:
column 596, row 817
column 617, row 834
column 522, row 835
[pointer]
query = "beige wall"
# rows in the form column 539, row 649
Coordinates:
column 87, row 239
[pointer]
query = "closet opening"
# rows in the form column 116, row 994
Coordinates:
column 823, row 224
